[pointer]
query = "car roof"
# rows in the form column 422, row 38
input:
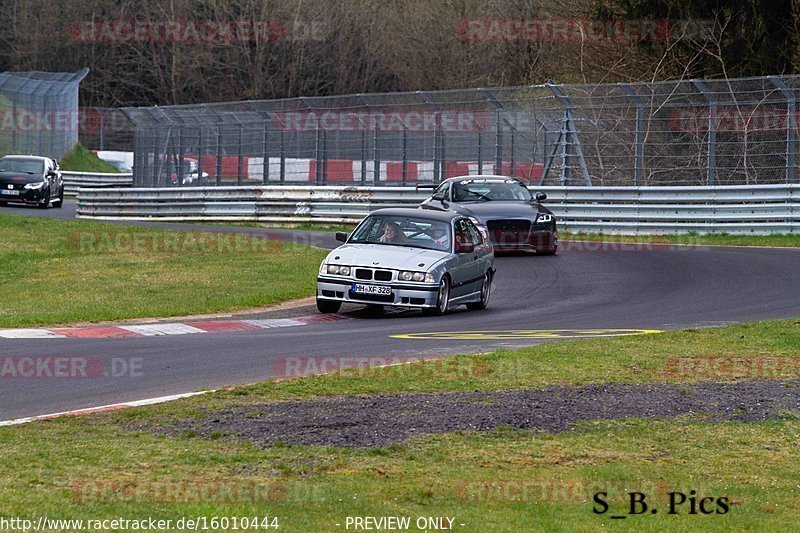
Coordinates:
column 485, row 177
column 33, row 157
column 429, row 214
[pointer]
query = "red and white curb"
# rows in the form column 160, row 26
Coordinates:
column 113, row 407
column 161, row 329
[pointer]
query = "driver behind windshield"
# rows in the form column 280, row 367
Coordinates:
column 392, row 233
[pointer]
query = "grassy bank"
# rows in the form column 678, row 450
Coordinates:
column 84, row 271
column 81, row 159
column 501, row 480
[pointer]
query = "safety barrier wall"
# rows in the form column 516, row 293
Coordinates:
column 741, row 209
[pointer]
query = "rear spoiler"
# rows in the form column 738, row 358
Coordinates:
column 426, row 186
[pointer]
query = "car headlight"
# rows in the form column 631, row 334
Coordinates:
column 415, row 276
column 34, row 185
column 544, row 219
column 339, row 270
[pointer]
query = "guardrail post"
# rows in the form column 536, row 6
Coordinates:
column 711, row 159
column 791, row 126
column 638, row 167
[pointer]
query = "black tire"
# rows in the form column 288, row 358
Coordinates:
column 328, row 307
column 58, row 203
column 486, row 291
column 46, row 203
column 442, row 302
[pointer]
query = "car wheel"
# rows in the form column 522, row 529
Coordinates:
column 58, row 203
column 443, row 301
column 46, row 203
column 328, row 306
column 486, row 290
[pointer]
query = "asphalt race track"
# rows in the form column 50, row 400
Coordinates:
column 586, row 286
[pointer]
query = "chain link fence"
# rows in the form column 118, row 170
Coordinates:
column 693, row 132
column 39, row 112
column 105, row 128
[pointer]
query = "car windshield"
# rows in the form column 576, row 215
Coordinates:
column 403, row 231
column 488, row 190
column 16, row 164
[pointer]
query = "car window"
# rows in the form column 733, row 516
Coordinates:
column 462, row 232
column 484, row 190
column 403, row 231
column 441, row 192
column 13, row 164
column 477, row 237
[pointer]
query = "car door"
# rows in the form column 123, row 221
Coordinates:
column 483, row 255
column 49, row 176
column 465, row 271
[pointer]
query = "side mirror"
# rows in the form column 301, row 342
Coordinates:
column 464, row 247
column 341, row 236
column 540, row 196
column 51, row 173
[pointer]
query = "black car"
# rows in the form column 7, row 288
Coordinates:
column 514, row 219
column 31, row 180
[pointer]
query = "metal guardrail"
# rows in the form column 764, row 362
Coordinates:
column 759, row 209
column 75, row 180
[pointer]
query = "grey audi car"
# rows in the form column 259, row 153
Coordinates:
column 405, row 257
column 515, row 220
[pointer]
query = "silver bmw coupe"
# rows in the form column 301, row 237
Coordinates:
column 405, row 257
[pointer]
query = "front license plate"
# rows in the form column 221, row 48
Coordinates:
column 372, row 289
column 9, row 193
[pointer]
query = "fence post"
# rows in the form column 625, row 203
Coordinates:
column 240, row 156
column 405, row 156
column 283, row 156
column 219, row 154
column 480, row 147
column 711, row 159
column 638, row 167
column 200, row 155
column 376, row 171
column 265, row 163
column 791, row 126
column 324, row 157
column 179, row 173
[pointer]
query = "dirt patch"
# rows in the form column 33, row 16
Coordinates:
column 379, row 420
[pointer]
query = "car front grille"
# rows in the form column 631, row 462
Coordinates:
column 509, row 231
column 378, row 275
column 383, row 275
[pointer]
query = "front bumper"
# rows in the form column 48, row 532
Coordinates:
column 536, row 239
column 26, row 196
column 403, row 294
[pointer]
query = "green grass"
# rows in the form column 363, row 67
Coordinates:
column 81, row 159
column 502, row 480
column 85, row 271
column 723, row 239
